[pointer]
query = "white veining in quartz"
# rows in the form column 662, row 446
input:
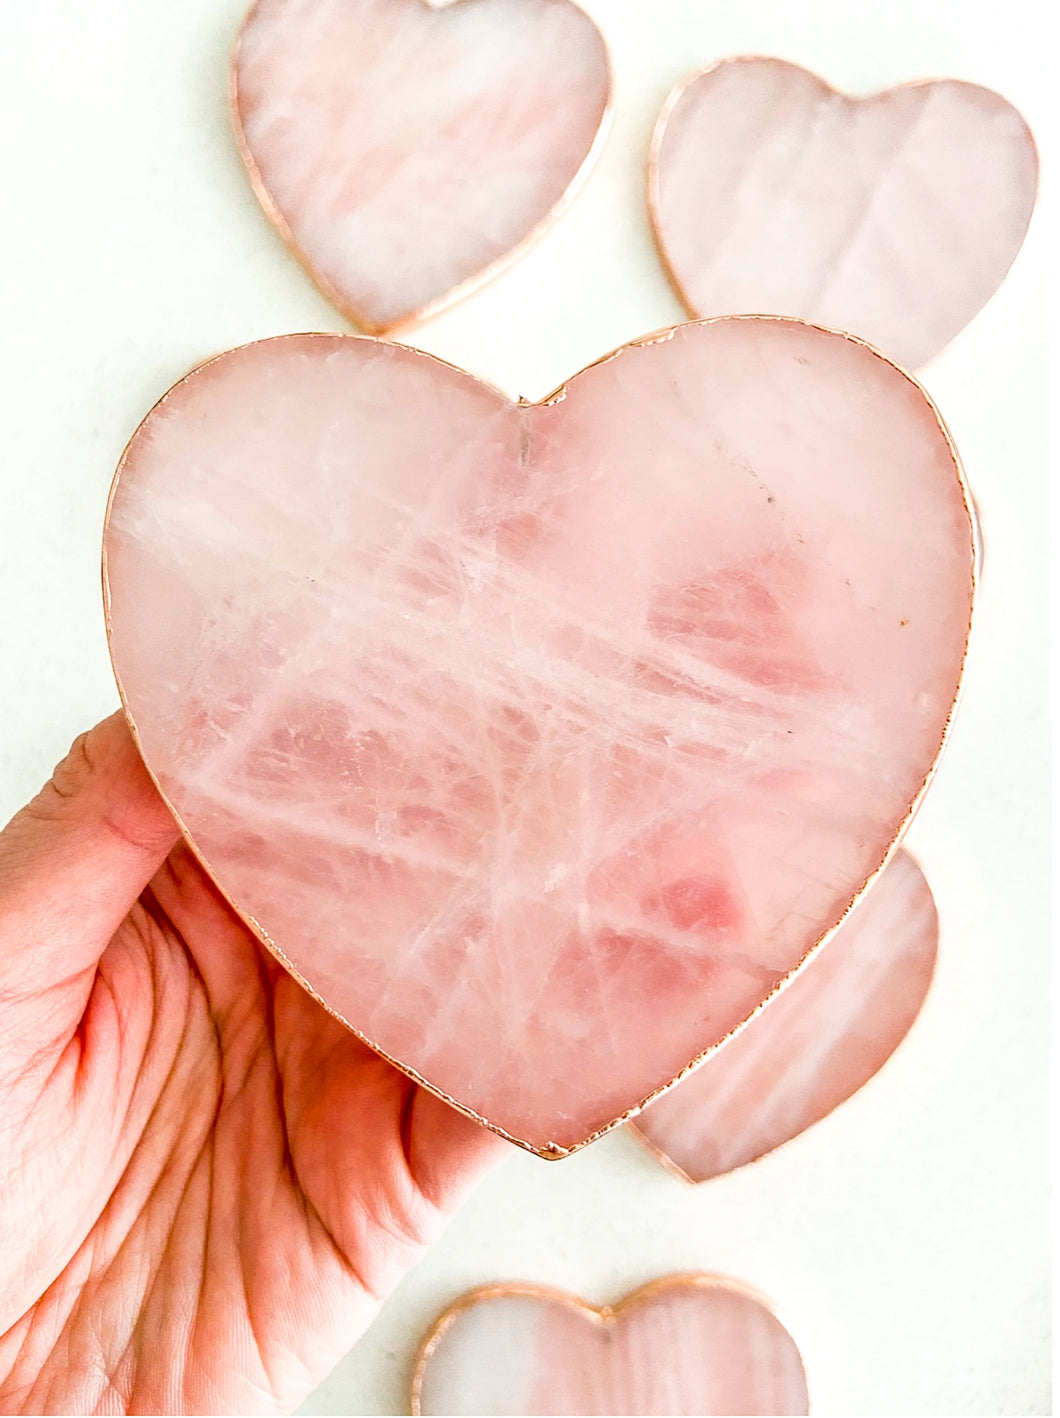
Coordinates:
column 813, row 1046
column 407, row 148
column 687, row 1345
column 543, row 740
column 895, row 217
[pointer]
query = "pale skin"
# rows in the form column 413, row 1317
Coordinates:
column 207, row 1184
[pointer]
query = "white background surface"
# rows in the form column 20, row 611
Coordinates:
column 904, row 1238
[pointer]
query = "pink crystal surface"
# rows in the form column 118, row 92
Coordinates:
column 542, row 740
column 689, row 1345
column 895, row 217
column 815, row 1044
column 405, row 149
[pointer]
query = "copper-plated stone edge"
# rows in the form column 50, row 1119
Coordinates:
column 675, row 1169
column 552, row 1151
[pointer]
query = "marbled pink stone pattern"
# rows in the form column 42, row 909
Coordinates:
column 544, row 740
column 815, row 1044
column 686, row 1345
column 405, row 150
column 894, row 217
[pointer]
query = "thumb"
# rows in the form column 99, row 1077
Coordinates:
column 74, row 860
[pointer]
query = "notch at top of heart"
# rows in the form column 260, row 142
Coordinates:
column 409, row 150
column 895, row 216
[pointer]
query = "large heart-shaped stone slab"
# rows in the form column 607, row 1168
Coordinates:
column 815, row 1044
column 407, row 150
column 543, row 741
column 895, row 217
column 696, row 1344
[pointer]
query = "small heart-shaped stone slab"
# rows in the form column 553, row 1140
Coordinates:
column 815, row 1044
column 696, row 1344
column 543, row 741
column 895, row 217
column 405, row 150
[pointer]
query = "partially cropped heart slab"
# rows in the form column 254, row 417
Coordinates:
column 695, row 1344
column 813, row 1046
column 895, row 217
column 543, row 740
column 406, row 149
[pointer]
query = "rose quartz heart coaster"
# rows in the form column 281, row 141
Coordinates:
column 813, row 1046
column 406, row 150
column 543, row 741
column 895, row 217
column 695, row 1344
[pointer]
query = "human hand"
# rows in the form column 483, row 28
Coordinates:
column 207, row 1184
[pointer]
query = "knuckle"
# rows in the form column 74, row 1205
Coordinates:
column 69, row 779
column 70, row 776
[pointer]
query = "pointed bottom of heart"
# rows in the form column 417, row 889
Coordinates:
column 685, row 1344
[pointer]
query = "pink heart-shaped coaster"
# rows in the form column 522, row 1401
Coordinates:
column 697, row 1344
column 406, row 151
column 543, row 740
column 895, row 217
column 815, row 1044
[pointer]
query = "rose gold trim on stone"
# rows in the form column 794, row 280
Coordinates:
column 474, row 282
column 553, row 1151
column 603, row 1315
column 675, row 95
column 675, row 1168
column 667, row 1163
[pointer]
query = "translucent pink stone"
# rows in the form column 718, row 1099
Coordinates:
column 894, row 217
column 813, row 1046
column 543, row 740
column 683, row 1345
column 405, row 149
